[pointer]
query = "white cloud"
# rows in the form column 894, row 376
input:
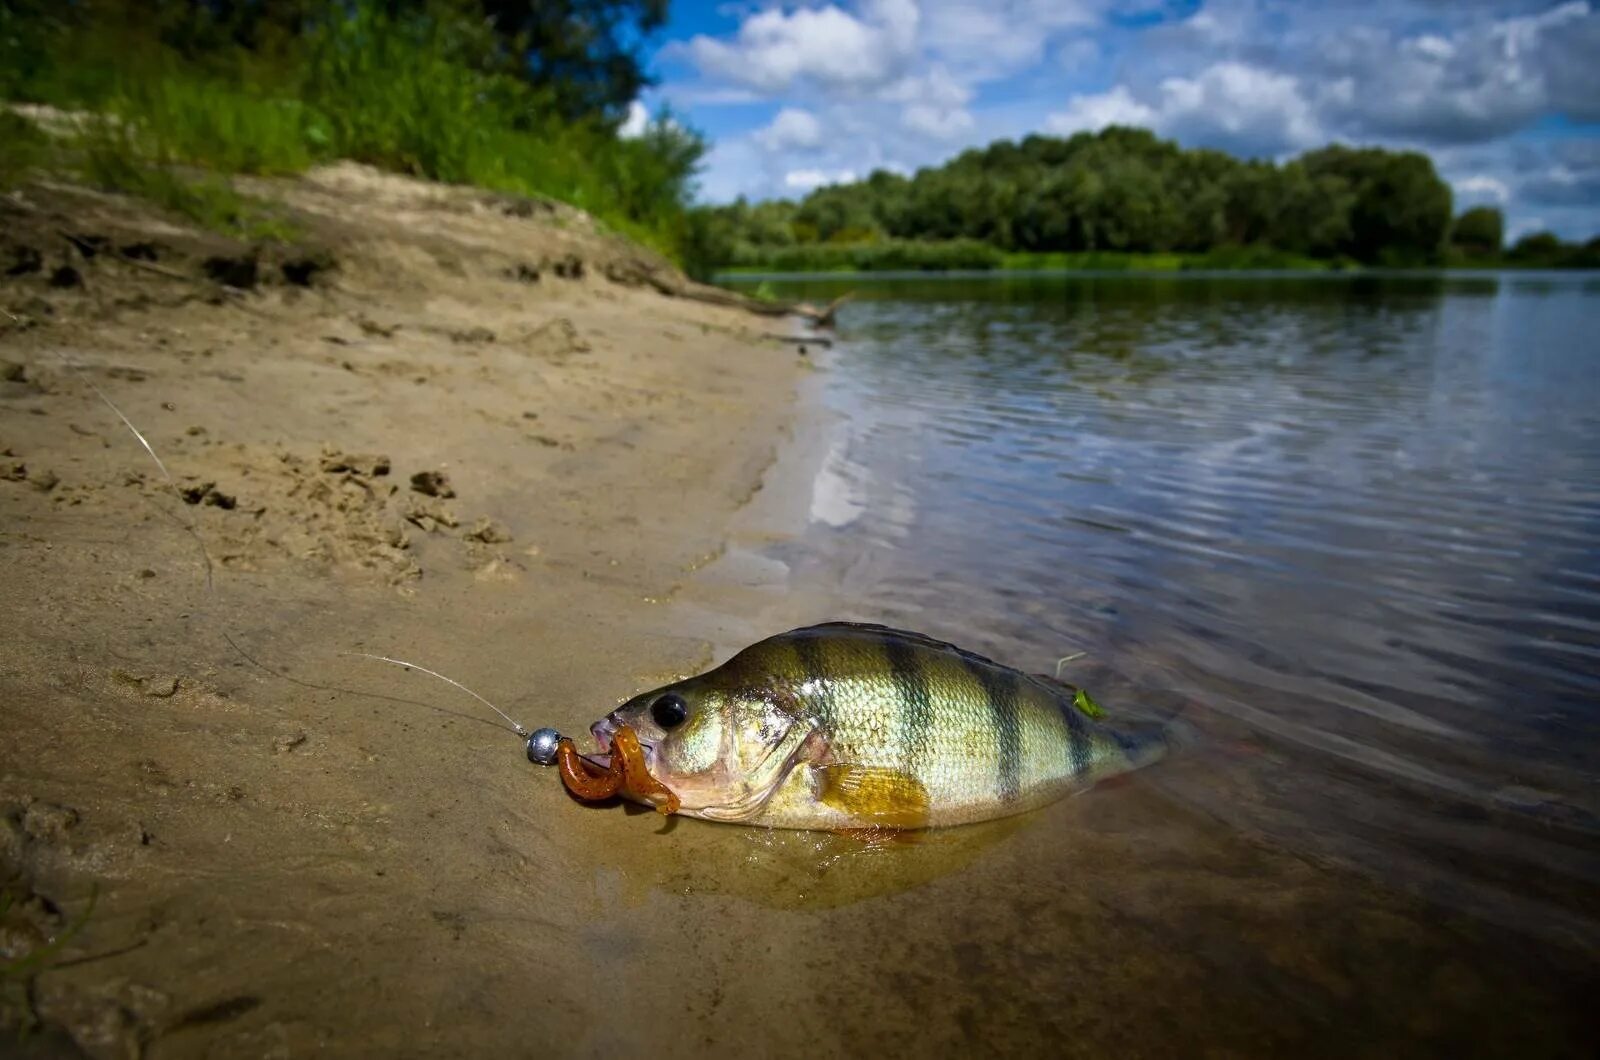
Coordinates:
column 1094, row 112
column 807, row 179
column 1230, row 105
column 634, row 125
column 1239, row 107
column 937, row 123
column 1078, row 54
column 1483, row 188
column 774, row 49
column 989, row 38
column 937, row 87
column 792, row 129
column 934, row 104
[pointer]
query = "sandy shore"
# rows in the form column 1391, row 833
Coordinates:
column 442, row 432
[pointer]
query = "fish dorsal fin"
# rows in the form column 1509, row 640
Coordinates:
column 921, row 639
column 1055, row 684
column 1069, row 694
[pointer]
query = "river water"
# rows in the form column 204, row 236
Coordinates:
column 1342, row 531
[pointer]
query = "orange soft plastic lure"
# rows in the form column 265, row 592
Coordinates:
column 626, row 775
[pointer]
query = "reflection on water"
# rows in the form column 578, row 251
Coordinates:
column 1349, row 526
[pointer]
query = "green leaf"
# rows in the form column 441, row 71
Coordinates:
column 1084, row 702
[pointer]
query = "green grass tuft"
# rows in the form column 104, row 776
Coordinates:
column 111, row 156
column 26, row 149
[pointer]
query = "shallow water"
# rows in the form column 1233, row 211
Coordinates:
column 1347, row 531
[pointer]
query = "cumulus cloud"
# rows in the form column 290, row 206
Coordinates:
column 809, row 179
column 1482, row 188
column 987, row 38
column 1229, row 105
column 792, row 129
column 1481, row 81
column 937, row 123
column 637, row 121
column 1567, row 173
column 1092, row 113
column 776, row 49
column 934, row 104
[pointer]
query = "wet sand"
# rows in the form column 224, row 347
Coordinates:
column 351, row 860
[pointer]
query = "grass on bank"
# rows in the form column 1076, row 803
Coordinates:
column 965, row 254
column 394, row 92
column 26, row 150
column 106, row 155
column 968, row 254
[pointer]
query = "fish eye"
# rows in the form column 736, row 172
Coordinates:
column 669, row 710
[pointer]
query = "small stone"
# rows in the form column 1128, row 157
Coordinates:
column 161, row 686
column 429, row 517
column 371, row 465
column 47, row 821
column 45, row 481
column 488, row 531
column 287, row 743
column 472, row 336
column 432, row 484
column 13, row 471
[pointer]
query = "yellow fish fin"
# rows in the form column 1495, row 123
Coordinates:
column 875, row 797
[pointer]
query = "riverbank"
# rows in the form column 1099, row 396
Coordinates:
column 848, row 261
column 446, row 425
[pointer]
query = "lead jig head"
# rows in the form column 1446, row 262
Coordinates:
column 542, row 746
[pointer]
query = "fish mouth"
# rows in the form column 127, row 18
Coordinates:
column 603, row 732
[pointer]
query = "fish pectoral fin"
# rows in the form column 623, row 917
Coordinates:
column 875, row 796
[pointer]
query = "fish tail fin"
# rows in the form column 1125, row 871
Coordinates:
column 1158, row 727
column 1143, row 743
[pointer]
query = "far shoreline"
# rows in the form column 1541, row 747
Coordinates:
column 753, row 275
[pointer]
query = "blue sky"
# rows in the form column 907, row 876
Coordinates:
column 1504, row 95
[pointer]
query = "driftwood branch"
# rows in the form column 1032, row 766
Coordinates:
column 801, row 340
column 633, row 272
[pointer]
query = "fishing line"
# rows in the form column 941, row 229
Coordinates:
column 516, row 726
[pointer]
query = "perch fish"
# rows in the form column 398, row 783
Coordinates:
column 846, row 726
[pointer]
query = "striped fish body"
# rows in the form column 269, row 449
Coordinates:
column 843, row 726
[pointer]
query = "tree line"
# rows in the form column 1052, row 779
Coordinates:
column 1125, row 190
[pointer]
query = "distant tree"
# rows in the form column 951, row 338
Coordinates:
column 1401, row 209
column 1537, row 246
column 1479, row 231
column 1128, row 189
